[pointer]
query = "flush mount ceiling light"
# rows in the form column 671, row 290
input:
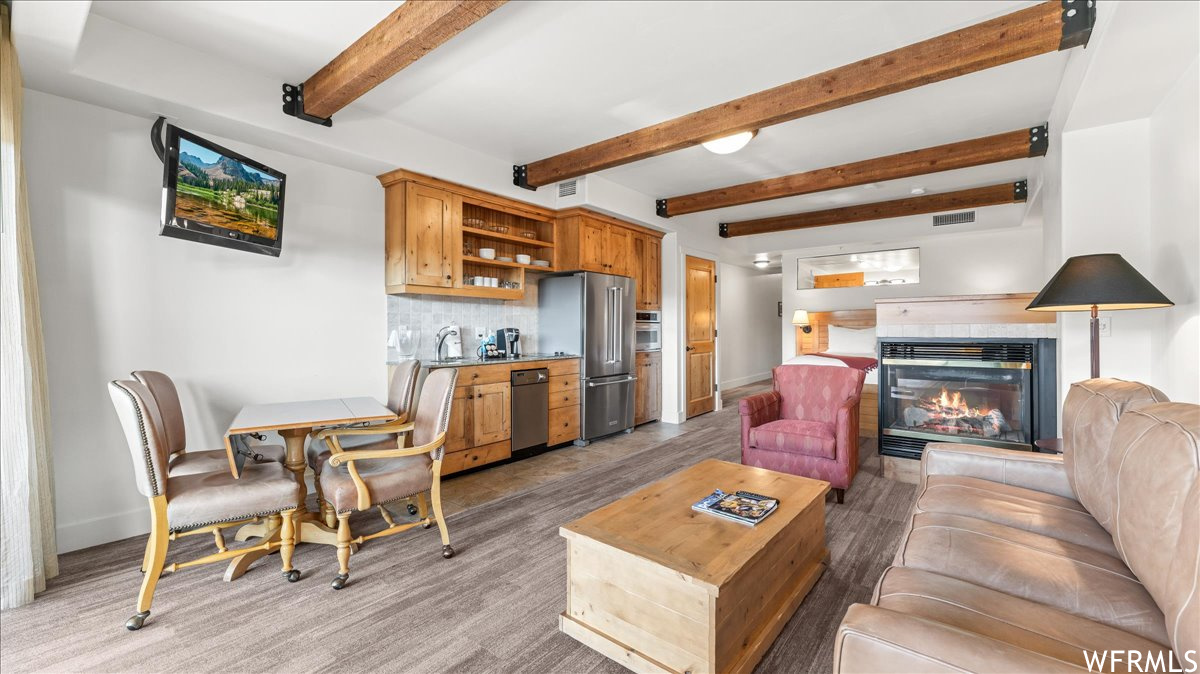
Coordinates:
column 729, row 144
column 762, row 261
column 917, row 190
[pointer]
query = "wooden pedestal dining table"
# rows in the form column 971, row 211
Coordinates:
column 294, row 421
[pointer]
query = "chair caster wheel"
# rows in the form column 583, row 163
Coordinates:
column 339, row 581
column 447, row 551
column 412, row 509
column 135, row 623
column 426, row 524
column 292, row 576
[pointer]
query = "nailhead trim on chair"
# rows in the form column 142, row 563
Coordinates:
column 137, row 410
column 265, row 513
column 391, row 500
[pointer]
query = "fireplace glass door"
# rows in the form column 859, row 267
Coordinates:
column 980, row 403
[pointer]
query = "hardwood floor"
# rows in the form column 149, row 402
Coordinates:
column 460, row 492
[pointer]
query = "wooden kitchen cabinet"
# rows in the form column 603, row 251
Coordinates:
column 432, row 221
column 647, row 396
column 647, row 270
column 591, row 241
column 491, row 413
column 434, row 232
column 480, row 427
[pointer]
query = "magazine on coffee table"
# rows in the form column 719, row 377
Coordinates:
column 741, row 506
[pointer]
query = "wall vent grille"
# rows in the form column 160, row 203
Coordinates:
column 568, row 188
column 954, row 218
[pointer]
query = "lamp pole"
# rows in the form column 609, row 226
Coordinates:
column 1095, row 342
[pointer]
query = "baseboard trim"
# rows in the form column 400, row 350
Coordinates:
column 742, row 381
column 100, row 530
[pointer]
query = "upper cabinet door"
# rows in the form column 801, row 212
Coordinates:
column 432, row 218
column 651, row 274
column 620, row 251
column 638, row 264
column 593, row 240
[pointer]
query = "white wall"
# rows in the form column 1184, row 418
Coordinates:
column 1175, row 237
column 747, row 324
column 996, row 261
column 230, row 327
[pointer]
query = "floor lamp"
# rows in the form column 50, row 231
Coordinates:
column 1094, row 283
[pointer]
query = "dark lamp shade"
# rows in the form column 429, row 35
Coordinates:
column 1106, row 281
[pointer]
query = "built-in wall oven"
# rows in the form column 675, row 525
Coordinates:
column 648, row 328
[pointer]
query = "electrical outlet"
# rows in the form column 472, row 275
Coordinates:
column 1106, row 326
column 480, row 333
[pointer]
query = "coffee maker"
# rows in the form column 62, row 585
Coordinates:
column 508, row 340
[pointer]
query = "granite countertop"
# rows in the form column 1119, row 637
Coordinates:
column 471, row 362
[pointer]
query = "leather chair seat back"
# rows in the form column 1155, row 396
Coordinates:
column 1155, row 463
column 433, row 409
column 144, row 433
column 815, row 392
column 167, row 399
column 1090, row 415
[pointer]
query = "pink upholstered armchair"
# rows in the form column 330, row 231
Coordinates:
column 807, row 426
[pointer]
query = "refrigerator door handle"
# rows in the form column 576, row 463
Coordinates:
column 592, row 384
column 619, row 326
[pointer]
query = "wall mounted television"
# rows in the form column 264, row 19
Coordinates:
column 214, row 195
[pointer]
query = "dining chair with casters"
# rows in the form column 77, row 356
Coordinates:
column 181, row 461
column 197, row 503
column 365, row 478
column 379, row 436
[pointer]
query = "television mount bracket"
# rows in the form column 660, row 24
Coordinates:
column 156, row 139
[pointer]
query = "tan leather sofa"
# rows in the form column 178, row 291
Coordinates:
column 1019, row 562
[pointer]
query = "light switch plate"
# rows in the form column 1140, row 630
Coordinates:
column 480, row 332
column 1106, row 326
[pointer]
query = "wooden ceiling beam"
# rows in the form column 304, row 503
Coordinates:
column 411, row 31
column 1042, row 28
column 977, row 197
column 1017, row 144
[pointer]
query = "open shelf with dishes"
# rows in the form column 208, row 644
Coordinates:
column 499, row 237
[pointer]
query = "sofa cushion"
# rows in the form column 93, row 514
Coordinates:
column 1042, row 569
column 1017, row 507
column 1003, row 617
column 1155, row 461
column 1090, row 414
column 811, row 438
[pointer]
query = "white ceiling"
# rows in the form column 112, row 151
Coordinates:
column 538, row 78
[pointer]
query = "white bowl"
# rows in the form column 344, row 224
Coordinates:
column 487, row 253
column 524, row 259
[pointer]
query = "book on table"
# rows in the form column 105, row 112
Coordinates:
column 740, row 506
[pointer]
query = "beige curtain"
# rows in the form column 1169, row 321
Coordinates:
column 27, row 545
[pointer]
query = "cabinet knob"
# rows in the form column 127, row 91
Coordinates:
column 449, row 278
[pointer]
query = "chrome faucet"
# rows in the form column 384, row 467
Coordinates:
column 441, row 339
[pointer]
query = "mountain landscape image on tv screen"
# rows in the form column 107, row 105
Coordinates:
column 222, row 191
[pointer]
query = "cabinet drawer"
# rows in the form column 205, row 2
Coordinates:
column 564, row 382
column 563, row 425
column 476, row 456
column 567, row 398
column 483, row 374
column 561, row 367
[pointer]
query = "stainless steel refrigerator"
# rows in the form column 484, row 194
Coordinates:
column 592, row 315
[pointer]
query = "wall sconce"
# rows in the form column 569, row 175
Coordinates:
column 800, row 320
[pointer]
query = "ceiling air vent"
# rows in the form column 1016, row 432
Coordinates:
column 568, row 188
column 954, row 218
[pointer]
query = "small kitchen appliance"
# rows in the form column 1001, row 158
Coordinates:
column 508, row 340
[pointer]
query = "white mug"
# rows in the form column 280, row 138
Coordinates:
column 494, row 282
column 480, row 281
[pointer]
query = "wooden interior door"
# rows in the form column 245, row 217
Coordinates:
column 700, row 287
column 432, row 237
column 491, row 411
column 460, row 432
column 593, row 239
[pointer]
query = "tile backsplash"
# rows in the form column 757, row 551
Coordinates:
column 429, row 313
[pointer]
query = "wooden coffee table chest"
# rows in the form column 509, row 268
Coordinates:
column 657, row 586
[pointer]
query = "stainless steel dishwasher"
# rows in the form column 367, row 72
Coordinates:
column 530, row 414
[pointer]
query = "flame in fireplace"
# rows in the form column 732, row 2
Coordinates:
column 949, row 412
